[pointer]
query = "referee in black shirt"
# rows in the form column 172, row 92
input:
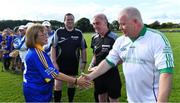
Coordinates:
column 107, row 86
column 68, row 44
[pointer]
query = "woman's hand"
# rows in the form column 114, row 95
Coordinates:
column 83, row 82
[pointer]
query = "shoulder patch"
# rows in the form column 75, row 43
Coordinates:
column 78, row 30
column 113, row 35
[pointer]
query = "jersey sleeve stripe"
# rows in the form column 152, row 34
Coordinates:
column 169, row 58
column 110, row 63
column 166, row 70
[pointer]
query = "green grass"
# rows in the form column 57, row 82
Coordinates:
column 10, row 87
column 11, row 84
column 174, row 39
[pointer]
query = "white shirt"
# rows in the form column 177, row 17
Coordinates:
column 142, row 60
column 48, row 45
column 23, row 50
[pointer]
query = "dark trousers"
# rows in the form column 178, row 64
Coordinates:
column 6, row 63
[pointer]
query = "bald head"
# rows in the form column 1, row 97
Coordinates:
column 131, row 13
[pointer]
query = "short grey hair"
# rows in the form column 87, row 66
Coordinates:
column 102, row 17
column 132, row 12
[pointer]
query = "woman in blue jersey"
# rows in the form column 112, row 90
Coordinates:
column 39, row 72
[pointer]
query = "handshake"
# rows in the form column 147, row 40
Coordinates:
column 84, row 81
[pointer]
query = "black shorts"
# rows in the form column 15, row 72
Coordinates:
column 110, row 83
column 69, row 71
column 68, row 67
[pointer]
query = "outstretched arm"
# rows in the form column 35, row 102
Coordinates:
column 99, row 70
column 78, row 81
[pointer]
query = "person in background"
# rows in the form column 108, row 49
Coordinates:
column 6, row 48
column 102, row 42
column 22, row 47
column 39, row 71
column 1, row 50
column 50, row 34
column 65, row 55
column 15, row 58
column 18, row 42
column 147, row 59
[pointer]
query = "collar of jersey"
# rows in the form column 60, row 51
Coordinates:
column 105, row 34
column 69, row 31
column 38, row 46
column 141, row 33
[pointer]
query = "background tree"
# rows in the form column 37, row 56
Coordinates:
column 12, row 23
column 84, row 25
column 155, row 25
column 56, row 24
column 115, row 25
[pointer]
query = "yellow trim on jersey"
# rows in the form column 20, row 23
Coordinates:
column 44, row 62
column 38, row 46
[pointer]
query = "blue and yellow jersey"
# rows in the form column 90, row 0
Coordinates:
column 7, row 46
column 0, row 40
column 37, row 78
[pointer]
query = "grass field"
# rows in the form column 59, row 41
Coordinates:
column 11, row 83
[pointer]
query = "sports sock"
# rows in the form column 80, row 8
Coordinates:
column 71, row 93
column 57, row 96
column 96, row 97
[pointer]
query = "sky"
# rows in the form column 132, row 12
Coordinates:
column 151, row 10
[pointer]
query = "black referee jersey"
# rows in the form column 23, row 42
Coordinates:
column 102, row 45
column 68, row 45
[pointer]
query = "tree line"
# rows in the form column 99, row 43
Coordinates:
column 83, row 24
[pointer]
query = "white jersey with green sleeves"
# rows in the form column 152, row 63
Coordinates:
column 144, row 59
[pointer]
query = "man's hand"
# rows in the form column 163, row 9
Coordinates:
column 83, row 82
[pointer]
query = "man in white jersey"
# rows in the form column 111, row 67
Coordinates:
column 22, row 46
column 147, row 59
